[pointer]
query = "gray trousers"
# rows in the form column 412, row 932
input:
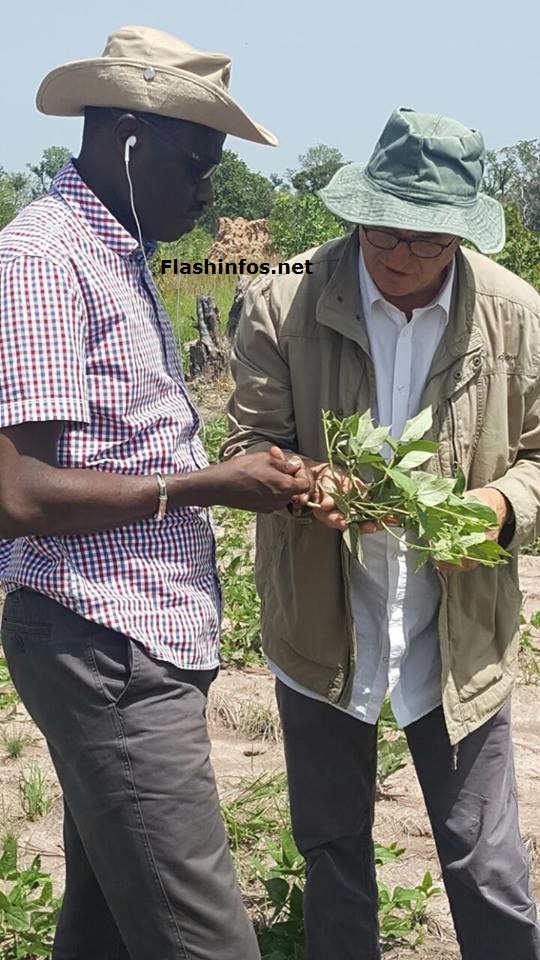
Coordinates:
column 331, row 764
column 148, row 871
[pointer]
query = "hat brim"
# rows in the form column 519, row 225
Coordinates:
column 176, row 93
column 352, row 196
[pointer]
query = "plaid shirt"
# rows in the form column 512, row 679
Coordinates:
column 85, row 340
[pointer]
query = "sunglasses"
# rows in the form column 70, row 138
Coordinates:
column 203, row 169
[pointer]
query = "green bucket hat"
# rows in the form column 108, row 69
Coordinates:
column 424, row 174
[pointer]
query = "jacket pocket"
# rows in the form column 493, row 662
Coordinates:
column 300, row 581
column 484, row 628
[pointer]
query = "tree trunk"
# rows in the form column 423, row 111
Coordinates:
column 237, row 304
column 209, row 355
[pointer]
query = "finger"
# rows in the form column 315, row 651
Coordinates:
column 334, row 519
column 302, row 485
column 293, row 460
column 450, row 567
column 369, row 526
column 326, row 502
column 285, row 466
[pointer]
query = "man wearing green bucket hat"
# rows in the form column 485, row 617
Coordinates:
column 395, row 317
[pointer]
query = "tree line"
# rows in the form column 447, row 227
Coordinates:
column 297, row 218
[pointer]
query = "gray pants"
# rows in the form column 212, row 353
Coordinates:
column 148, row 871
column 331, row 764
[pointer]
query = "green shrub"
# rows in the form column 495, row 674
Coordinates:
column 299, row 223
column 28, row 909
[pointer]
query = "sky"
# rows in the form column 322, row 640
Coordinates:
column 313, row 72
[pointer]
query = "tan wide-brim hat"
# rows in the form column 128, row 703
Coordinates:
column 145, row 70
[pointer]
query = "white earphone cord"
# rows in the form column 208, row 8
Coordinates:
column 134, row 212
column 135, row 217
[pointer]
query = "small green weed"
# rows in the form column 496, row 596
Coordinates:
column 28, row 909
column 36, row 797
column 531, row 549
column 529, row 649
column 241, row 643
column 8, row 694
column 402, row 911
column 392, row 747
column 14, row 739
column 213, row 433
column 255, row 809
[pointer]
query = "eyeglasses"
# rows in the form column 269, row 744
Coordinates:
column 202, row 168
column 425, row 249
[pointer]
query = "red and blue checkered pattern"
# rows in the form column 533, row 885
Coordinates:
column 84, row 339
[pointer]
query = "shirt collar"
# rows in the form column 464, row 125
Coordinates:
column 371, row 294
column 87, row 207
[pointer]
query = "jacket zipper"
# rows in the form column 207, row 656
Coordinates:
column 453, row 433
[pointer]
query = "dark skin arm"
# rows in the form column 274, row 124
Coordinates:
column 39, row 498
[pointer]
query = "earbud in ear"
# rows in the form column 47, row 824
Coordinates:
column 130, row 142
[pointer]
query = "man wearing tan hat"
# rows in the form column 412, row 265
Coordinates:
column 111, row 620
column 396, row 317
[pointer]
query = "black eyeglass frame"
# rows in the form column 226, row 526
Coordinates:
column 202, row 172
column 408, row 242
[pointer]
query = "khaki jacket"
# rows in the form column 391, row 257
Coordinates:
column 301, row 348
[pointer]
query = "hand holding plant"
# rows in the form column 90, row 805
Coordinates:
column 453, row 529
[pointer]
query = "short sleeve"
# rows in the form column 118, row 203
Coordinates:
column 42, row 344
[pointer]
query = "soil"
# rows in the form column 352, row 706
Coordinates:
column 400, row 814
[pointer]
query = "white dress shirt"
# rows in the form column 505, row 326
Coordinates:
column 394, row 607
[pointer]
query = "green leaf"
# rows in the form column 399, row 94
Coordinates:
column 429, row 522
column 432, row 490
column 414, row 459
column 401, row 480
column 430, row 446
column 17, row 918
column 8, row 860
column 353, row 541
column 376, row 439
column 359, row 426
column 416, row 428
column 459, row 486
column 475, row 508
column 277, row 889
column 488, row 550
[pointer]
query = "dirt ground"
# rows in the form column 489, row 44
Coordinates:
column 400, row 815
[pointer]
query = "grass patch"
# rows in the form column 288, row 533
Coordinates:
column 247, row 717
column 14, row 739
column 36, row 796
column 213, row 433
column 181, row 301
